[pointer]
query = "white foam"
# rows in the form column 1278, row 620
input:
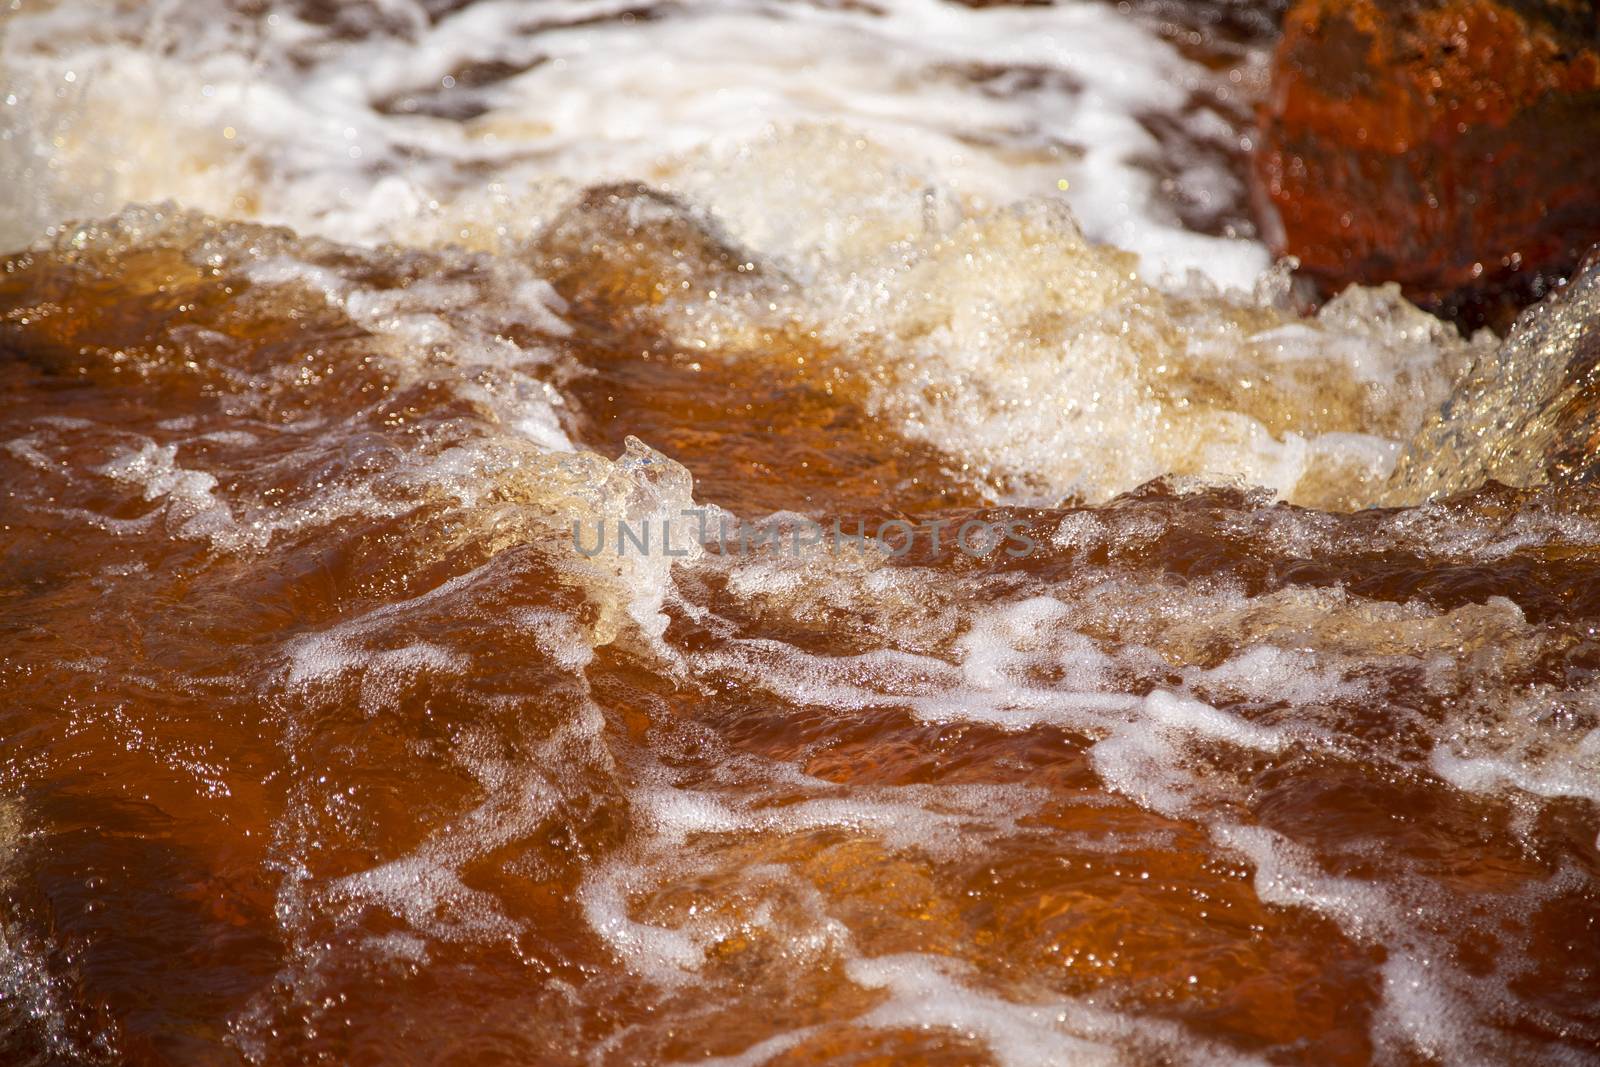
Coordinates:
column 927, row 992
column 1429, row 1007
column 924, row 996
column 1578, row 775
column 910, row 213
column 559, row 637
column 430, row 896
column 885, row 187
column 275, row 117
column 1274, row 673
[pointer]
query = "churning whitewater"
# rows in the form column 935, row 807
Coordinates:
column 331, row 335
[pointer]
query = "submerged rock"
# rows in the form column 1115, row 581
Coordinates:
column 1444, row 144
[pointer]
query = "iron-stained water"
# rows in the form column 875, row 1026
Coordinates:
column 324, row 743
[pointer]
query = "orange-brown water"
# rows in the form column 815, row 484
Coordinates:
column 323, row 746
column 327, row 741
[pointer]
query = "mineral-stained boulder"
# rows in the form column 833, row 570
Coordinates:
column 1450, row 145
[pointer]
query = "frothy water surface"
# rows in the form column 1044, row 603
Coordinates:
column 329, row 742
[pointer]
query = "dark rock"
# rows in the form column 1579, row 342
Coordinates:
column 1450, row 145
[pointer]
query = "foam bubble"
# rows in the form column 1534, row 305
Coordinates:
column 275, row 117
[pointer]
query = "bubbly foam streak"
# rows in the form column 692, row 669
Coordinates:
column 331, row 738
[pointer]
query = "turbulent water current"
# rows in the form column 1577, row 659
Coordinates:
column 737, row 532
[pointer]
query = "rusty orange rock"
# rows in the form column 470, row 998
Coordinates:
column 1450, row 145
